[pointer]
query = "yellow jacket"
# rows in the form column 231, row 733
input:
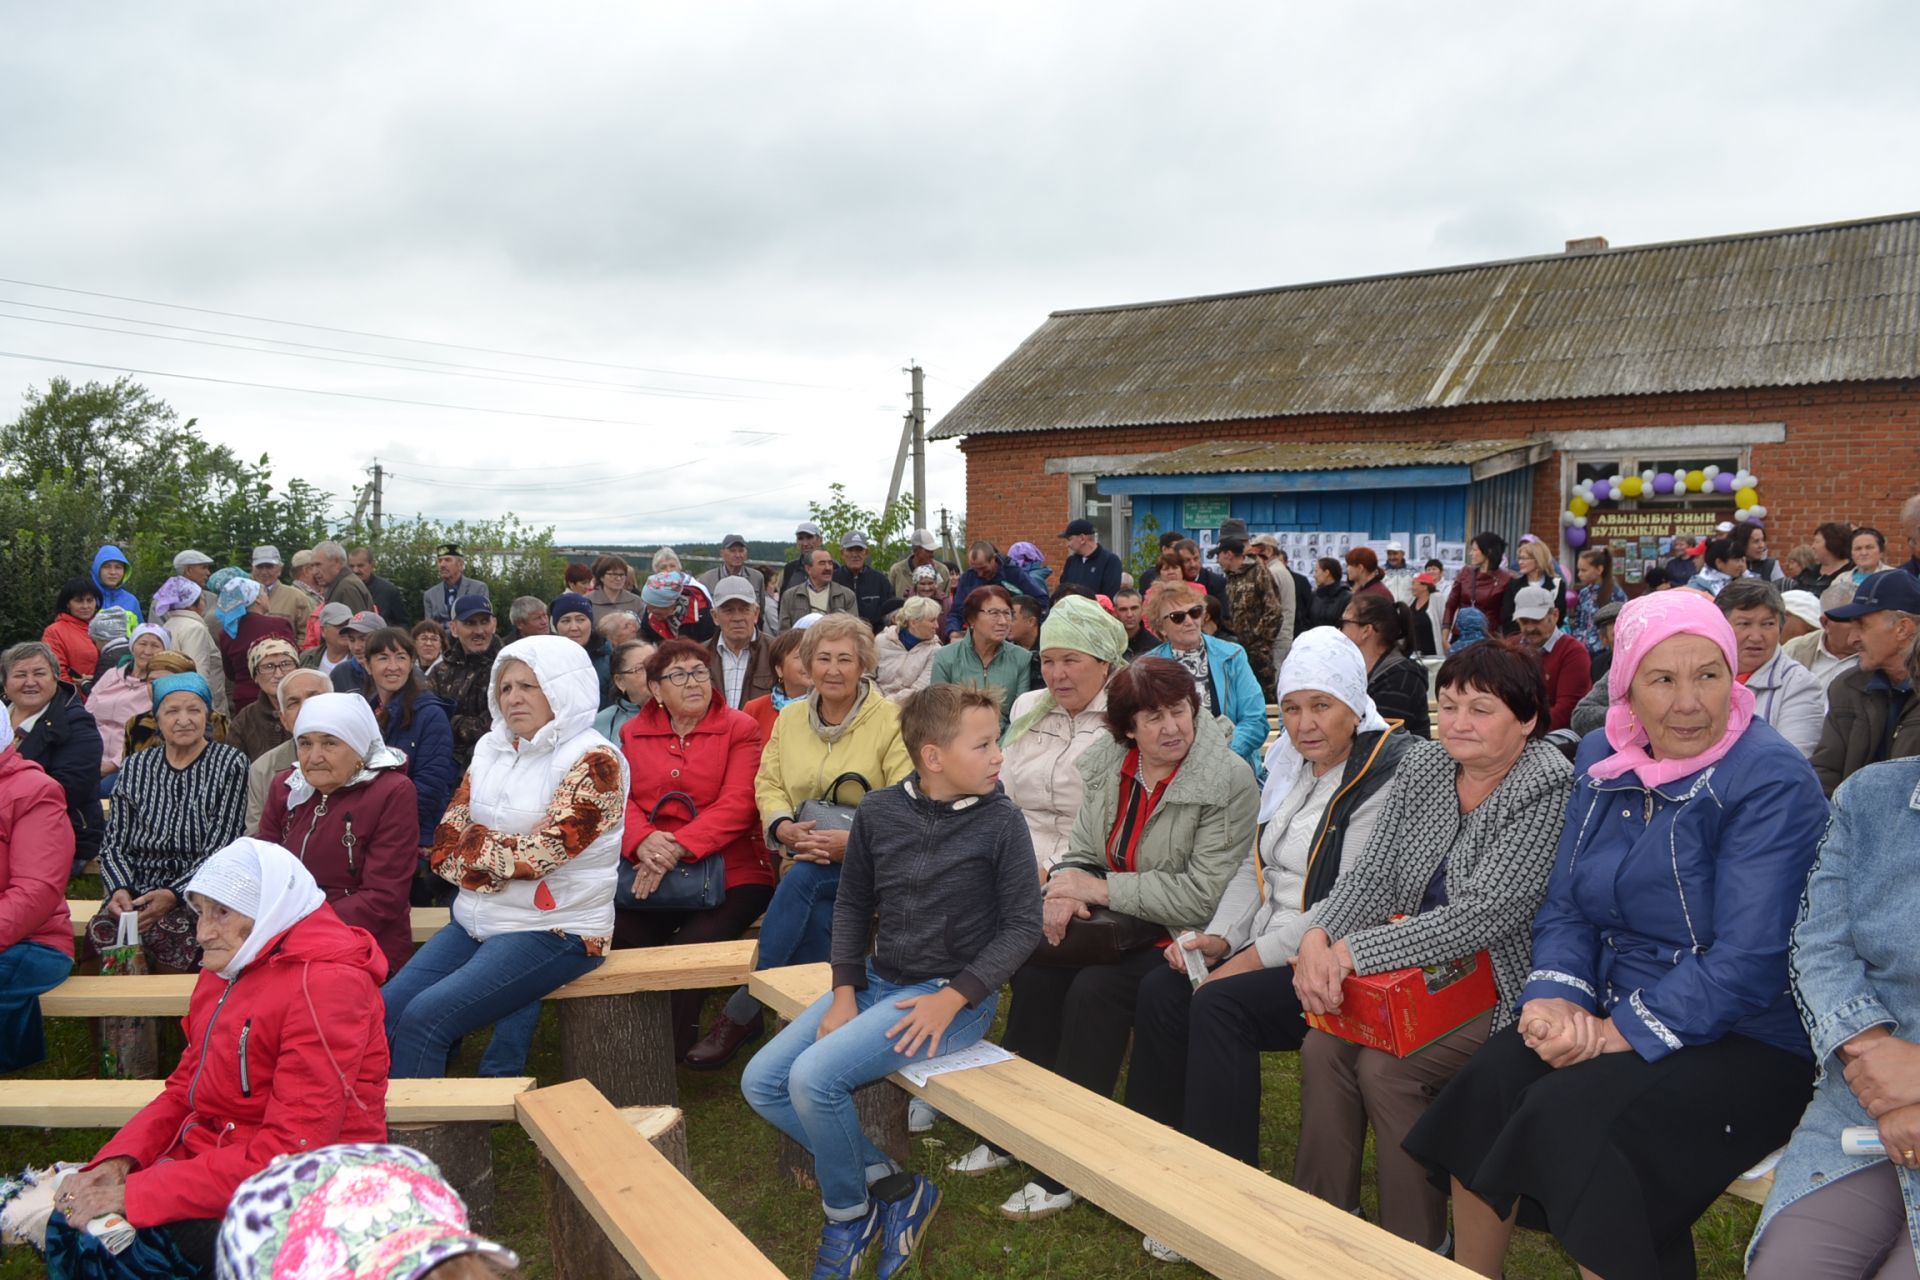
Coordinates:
column 798, row 765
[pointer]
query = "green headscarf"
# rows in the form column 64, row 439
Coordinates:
column 1074, row 623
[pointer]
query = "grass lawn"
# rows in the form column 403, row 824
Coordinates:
column 733, row 1164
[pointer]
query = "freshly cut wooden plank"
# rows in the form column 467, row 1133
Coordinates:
column 160, row 995
column 657, row 1220
column 426, row 922
column 704, row 964
column 1754, row 1189
column 92, row 1104
column 1226, row 1217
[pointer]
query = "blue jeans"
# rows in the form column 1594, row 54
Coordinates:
column 803, row 1085
column 455, row 985
column 797, row 928
column 26, row 970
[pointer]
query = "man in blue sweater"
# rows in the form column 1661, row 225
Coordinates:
column 986, row 568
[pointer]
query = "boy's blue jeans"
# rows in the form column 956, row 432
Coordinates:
column 803, row 1085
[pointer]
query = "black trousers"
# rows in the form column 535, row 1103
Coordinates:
column 1196, row 1054
column 1075, row 1022
column 743, row 904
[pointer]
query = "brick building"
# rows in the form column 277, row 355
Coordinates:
column 1447, row 401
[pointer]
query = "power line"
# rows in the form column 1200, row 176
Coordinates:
column 415, row 464
column 452, row 367
column 427, row 342
column 545, row 485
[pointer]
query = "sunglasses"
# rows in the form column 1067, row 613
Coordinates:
column 1194, row 614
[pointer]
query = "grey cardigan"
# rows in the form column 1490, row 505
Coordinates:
column 1498, row 859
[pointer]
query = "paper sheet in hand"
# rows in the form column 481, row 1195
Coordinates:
column 984, row 1054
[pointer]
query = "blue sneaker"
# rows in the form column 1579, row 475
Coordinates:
column 844, row 1245
column 903, row 1225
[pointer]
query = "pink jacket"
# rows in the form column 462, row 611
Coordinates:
column 116, row 701
column 36, row 853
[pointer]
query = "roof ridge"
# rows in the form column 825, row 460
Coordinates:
column 1455, row 268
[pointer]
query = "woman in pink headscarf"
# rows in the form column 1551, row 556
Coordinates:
column 1657, row 1053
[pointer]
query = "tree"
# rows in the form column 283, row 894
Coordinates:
column 886, row 529
column 512, row 558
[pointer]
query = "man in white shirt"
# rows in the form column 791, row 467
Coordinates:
column 742, row 661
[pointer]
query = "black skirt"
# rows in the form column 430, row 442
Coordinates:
column 1616, row 1156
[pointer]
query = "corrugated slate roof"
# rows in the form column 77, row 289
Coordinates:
column 1832, row 303
column 1334, row 455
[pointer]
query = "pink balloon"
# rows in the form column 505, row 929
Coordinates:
column 1576, row 537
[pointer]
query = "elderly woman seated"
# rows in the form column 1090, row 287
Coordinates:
column 348, row 811
column 36, row 936
column 908, row 647
column 1222, row 676
column 1167, row 818
column 174, row 807
column 1657, row 1052
column 256, row 728
column 1457, row 865
column 287, row 1061
column 983, row 656
column 54, row 730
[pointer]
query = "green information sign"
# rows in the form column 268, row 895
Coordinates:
column 1203, row 513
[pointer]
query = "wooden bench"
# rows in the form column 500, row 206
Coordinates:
column 616, row 1028
column 1226, row 1217
column 427, row 921
column 450, row 1121
column 655, row 1223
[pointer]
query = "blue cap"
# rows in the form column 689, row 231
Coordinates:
column 1888, row 589
column 472, row 607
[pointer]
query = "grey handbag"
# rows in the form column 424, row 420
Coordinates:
column 829, row 814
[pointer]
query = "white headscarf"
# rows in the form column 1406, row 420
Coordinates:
column 1322, row 659
column 347, row 717
column 263, row 881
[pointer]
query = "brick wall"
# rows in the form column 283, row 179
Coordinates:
column 1852, row 452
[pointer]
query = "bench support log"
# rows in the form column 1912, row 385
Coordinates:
column 580, row 1249
column 464, row 1152
column 882, row 1106
column 624, row 1045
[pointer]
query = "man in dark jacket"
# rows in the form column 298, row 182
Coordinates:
column 986, row 568
column 1089, row 564
column 742, row 661
column 870, row 587
column 1872, row 714
column 387, row 600
column 806, row 536
column 462, row 675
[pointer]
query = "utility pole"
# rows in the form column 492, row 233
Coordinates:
column 378, row 472
column 946, row 536
column 917, row 424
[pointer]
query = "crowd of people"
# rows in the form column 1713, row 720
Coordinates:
column 961, row 785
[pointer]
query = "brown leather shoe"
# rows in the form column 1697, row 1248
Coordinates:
column 716, row 1049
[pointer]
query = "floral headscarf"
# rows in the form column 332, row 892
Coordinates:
column 235, row 598
column 174, row 593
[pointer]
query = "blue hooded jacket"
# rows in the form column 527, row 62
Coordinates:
column 115, row 597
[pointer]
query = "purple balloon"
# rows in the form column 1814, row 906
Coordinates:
column 1576, row 536
column 1723, row 483
column 1602, row 491
column 1663, row 483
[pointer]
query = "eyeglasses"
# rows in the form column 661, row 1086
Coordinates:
column 277, row 668
column 996, row 613
column 1352, row 622
column 1194, row 614
column 679, row 679
column 631, row 671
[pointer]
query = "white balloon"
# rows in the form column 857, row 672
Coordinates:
column 1758, row 513
column 1710, row 471
column 1579, row 522
column 1647, row 476
column 1567, row 517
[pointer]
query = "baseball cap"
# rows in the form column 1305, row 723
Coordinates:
column 266, row 555
column 335, row 615
column 1394, row 546
column 1533, row 603
column 448, row 549
column 924, row 539
column 1076, row 528
column 188, row 558
column 807, row 527
column 1427, row 579
column 1264, row 540
column 366, row 622
column 472, row 607
column 733, row 589
column 858, row 540
column 1803, row 605
column 302, row 558
column 1888, row 589
column 732, row 540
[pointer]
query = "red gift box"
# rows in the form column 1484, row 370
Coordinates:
column 1404, row 1010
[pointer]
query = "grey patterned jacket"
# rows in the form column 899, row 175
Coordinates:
column 1498, row 859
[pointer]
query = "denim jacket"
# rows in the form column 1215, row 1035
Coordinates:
column 1856, row 964
column 1670, row 907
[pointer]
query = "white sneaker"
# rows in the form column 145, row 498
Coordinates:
column 1163, row 1252
column 979, row 1161
column 920, row 1116
column 1034, row 1201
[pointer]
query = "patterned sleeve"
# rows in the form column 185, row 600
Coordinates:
column 222, row 797
column 590, row 801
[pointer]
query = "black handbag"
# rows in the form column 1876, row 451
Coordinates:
column 829, row 814
column 1106, row 936
column 688, row 886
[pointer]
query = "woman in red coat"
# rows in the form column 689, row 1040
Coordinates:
column 1483, row 583
column 691, row 760
column 350, row 814
column 285, row 1053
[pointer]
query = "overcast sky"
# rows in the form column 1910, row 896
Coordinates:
column 741, row 221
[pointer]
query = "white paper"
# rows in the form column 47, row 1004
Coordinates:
column 983, row 1054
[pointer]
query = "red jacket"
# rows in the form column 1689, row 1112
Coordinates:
column 384, row 817
column 253, row 628
column 36, row 854
column 1481, row 590
column 289, row 1056
column 715, row 765
column 67, row 636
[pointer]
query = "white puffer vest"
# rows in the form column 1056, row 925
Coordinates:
column 513, row 783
